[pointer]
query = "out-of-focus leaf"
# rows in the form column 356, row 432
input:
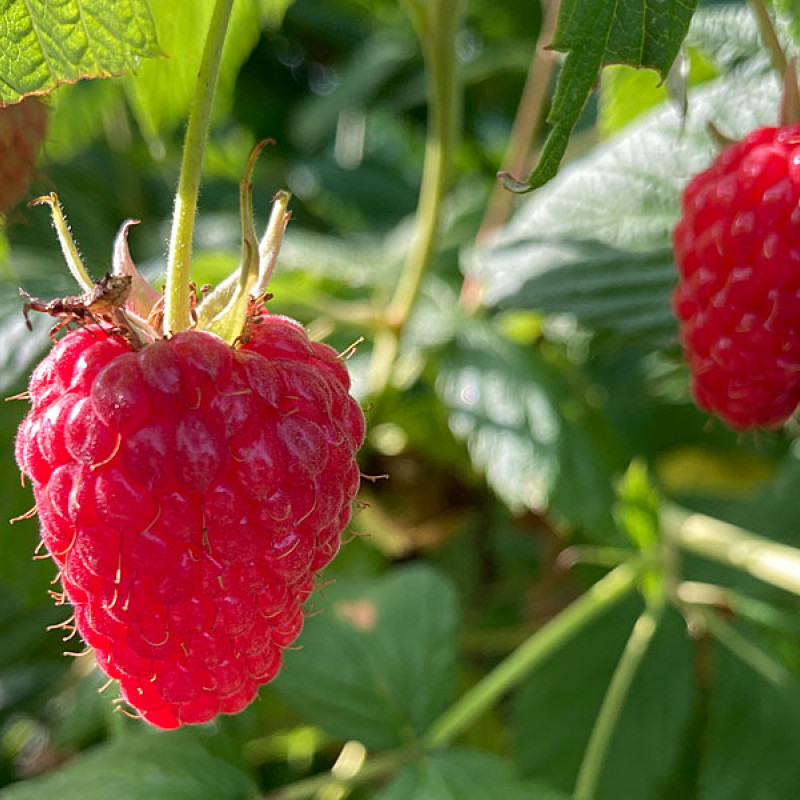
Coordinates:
column 727, row 35
column 161, row 91
column 358, row 84
column 174, row 766
column 750, row 739
column 535, row 437
column 82, row 113
column 464, row 775
column 273, row 11
column 556, row 709
column 43, row 45
column 594, row 33
column 379, row 664
column 595, row 243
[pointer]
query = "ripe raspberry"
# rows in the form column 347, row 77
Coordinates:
column 737, row 248
column 23, row 127
column 189, row 493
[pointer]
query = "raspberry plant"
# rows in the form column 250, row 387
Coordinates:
column 564, row 579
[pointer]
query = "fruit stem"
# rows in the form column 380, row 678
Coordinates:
column 772, row 562
column 436, row 24
column 594, row 758
column 68, row 246
column 177, row 315
column 604, row 594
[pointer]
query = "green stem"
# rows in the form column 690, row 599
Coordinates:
column 437, row 25
column 176, row 305
column 614, row 701
column 541, row 645
column 378, row 767
column 745, row 650
column 774, row 563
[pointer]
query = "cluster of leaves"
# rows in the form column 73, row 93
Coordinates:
column 505, row 431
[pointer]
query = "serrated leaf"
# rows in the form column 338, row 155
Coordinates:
column 172, row 766
column 641, row 33
column 595, row 243
column 563, row 697
column 537, row 440
column 464, row 775
column 379, row 664
column 45, row 44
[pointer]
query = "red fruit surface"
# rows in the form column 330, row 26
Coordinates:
column 190, row 492
column 737, row 249
column 23, row 127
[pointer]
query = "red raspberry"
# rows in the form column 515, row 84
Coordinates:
column 23, row 127
column 737, row 248
column 189, row 493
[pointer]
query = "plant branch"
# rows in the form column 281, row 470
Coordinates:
column 176, row 305
column 774, row 563
column 614, row 701
column 607, row 592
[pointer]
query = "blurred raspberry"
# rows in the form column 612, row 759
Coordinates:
column 737, row 249
column 23, row 127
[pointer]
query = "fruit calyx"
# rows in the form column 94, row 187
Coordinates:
column 140, row 318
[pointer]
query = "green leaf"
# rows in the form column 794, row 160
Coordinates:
column 379, row 664
column 464, row 775
column 641, row 33
column 596, row 243
column 173, row 766
column 531, row 432
column 555, row 711
column 47, row 44
column 751, row 736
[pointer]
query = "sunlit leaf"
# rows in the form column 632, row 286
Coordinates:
column 644, row 33
column 45, row 44
column 538, row 442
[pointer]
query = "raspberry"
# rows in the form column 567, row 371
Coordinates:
column 23, row 127
column 189, row 493
column 737, row 249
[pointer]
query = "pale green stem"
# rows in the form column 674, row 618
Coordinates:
column 743, row 648
column 436, row 26
column 614, row 701
column 774, row 563
column 68, row 246
column 177, row 315
column 604, row 594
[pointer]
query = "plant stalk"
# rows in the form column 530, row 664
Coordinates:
column 771, row 562
column 614, row 701
column 437, row 24
column 607, row 592
column 176, row 303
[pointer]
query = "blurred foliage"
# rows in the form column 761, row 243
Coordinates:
column 505, row 431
